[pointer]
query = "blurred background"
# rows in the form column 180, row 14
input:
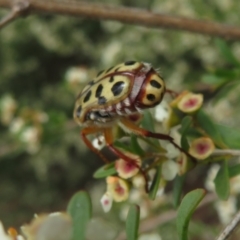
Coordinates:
column 45, row 60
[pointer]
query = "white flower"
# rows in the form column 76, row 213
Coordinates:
column 76, row 75
column 31, row 137
column 7, row 106
column 138, row 181
column 53, row 226
column 162, row 111
column 106, row 202
column 212, row 173
column 110, row 52
column 226, row 209
column 99, row 142
column 235, row 185
column 172, row 151
column 3, row 235
column 30, row 134
column 16, row 125
column 169, row 170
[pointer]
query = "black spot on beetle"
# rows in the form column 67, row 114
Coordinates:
column 78, row 111
column 155, row 84
column 117, row 88
column 109, row 69
column 128, row 63
column 102, row 100
column 99, row 91
column 111, row 79
column 99, row 73
column 87, row 97
column 151, row 97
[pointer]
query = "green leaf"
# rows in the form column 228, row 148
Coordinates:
column 222, row 182
column 209, row 127
column 212, row 79
column 132, row 223
column 234, row 170
column 105, row 171
column 223, row 90
column 186, row 209
column 186, row 123
column 135, row 146
column 227, row 74
column 155, row 184
column 177, row 189
column 226, row 52
column 148, row 123
column 230, row 135
column 80, row 209
column 123, row 146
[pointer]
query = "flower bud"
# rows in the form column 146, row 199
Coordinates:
column 106, row 202
column 201, row 148
column 190, row 102
column 128, row 169
column 117, row 188
column 184, row 164
column 169, row 170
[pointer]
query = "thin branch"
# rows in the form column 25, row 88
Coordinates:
column 131, row 16
column 228, row 231
column 216, row 153
column 18, row 8
column 223, row 152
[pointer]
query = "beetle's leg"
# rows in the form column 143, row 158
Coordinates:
column 88, row 131
column 108, row 134
column 143, row 132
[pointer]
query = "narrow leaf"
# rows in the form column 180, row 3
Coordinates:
column 132, row 223
column 226, row 52
column 222, row 182
column 123, row 146
column 80, row 209
column 186, row 123
column 177, row 189
column 135, row 146
column 148, row 123
column 222, row 91
column 186, row 209
column 155, row 184
column 233, row 171
column 210, row 128
column 105, row 171
column 212, row 79
column 230, row 135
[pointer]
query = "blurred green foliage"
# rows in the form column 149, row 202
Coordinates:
column 37, row 51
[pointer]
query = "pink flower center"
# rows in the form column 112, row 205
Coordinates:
column 202, row 148
column 190, row 103
column 106, row 202
column 129, row 166
column 119, row 189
